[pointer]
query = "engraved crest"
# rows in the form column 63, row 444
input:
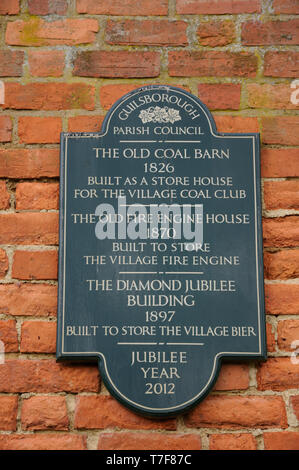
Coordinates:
column 160, row 115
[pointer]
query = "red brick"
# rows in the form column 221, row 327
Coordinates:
column 236, row 124
column 3, row 263
column 47, row 376
column 38, row 337
column 281, row 64
column 44, row 412
column 37, row 196
column 29, row 163
column 281, row 194
column 39, row 130
column 220, row 95
column 288, row 331
column 11, row 63
column 46, row 63
column 9, row 7
column 282, row 299
column 145, row 441
column 117, row 64
column 147, row 32
column 270, row 33
column 232, row 442
column 217, row 7
column 35, row 265
column 233, row 377
column 295, row 404
column 49, row 96
column 29, row 228
column 216, row 33
column 270, row 96
column 270, row 335
column 4, row 196
column 281, row 231
column 126, row 7
column 286, row 6
column 85, row 123
column 279, row 163
column 286, row 440
column 37, row 32
column 5, row 129
column 47, row 7
column 103, row 411
column 281, row 130
column 8, row 413
column 281, row 264
column 42, row 442
column 278, row 374
column 28, row 299
column 234, row 412
column 9, row 335
column 212, row 63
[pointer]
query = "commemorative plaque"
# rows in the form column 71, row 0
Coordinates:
column 160, row 259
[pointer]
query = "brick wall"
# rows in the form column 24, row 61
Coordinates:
column 63, row 63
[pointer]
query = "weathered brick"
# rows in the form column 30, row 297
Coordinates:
column 9, row 7
column 147, row 32
column 117, row 64
column 232, row 442
column 37, row 32
column 145, row 441
column 3, row 263
column 236, row 124
column 49, row 96
column 46, row 63
column 287, row 331
column 39, row 130
column 29, row 228
column 281, row 195
column 295, row 404
column 279, row 163
column 270, row 334
column 47, row 7
column 60, row 441
column 11, row 63
column 278, row 374
column 217, row 7
column 216, row 33
column 5, row 129
column 280, row 130
column 286, row 6
column 234, row 412
column 281, row 231
column 282, row 299
column 38, row 337
column 270, row 96
column 85, row 123
column 212, row 63
column 4, row 196
column 8, row 413
column 255, row 33
column 126, row 7
column 286, row 440
column 103, row 411
column 281, row 264
column 281, row 64
column 28, row 299
column 9, row 335
column 29, row 163
column 37, row 196
column 233, row 377
column 220, row 95
column 47, row 376
column 35, row 265
column 44, row 412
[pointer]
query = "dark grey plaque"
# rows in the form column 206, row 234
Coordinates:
column 160, row 268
